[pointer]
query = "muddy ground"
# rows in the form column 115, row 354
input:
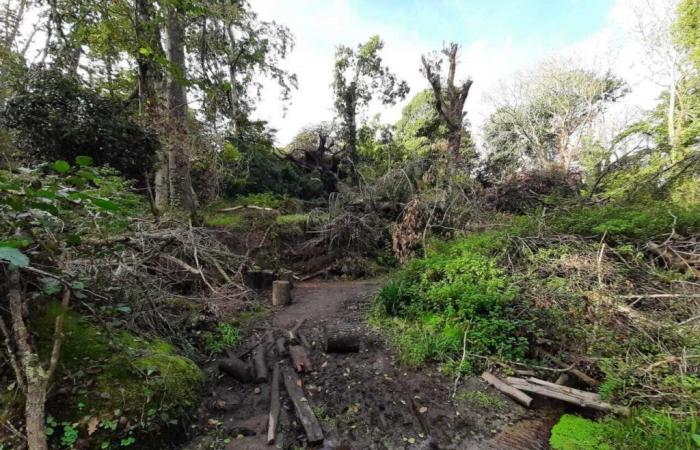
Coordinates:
column 364, row 400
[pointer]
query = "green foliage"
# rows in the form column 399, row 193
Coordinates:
column 688, row 29
column 55, row 118
column 225, row 336
column 576, row 433
column 482, row 400
column 645, row 430
column 231, row 221
column 456, row 290
column 629, row 221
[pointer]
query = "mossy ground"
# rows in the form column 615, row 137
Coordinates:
column 133, row 388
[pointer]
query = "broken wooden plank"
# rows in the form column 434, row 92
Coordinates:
column 507, row 389
column 566, row 394
column 312, row 427
column 274, row 405
column 300, row 359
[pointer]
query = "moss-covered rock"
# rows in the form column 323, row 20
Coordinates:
column 126, row 387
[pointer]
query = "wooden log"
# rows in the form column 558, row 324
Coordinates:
column 260, row 364
column 274, row 405
column 342, row 341
column 237, row 369
column 314, row 433
column 566, row 394
column 281, row 293
column 280, row 346
column 510, row 391
column 302, row 339
column 300, row 359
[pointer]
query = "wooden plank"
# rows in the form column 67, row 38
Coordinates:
column 273, row 419
column 314, row 433
column 510, row 391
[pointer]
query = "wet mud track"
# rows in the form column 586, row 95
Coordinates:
column 364, row 400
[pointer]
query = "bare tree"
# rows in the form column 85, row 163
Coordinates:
column 449, row 98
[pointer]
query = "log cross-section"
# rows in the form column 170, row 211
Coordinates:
column 314, row 433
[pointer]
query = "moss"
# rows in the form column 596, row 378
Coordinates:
column 577, row 433
column 226, row 220
column 120, row 377
column 292, row 219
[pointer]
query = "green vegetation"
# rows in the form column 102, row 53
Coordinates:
column 645, row 430
column 144, row 381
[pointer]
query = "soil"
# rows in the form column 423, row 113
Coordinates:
column 363, row 400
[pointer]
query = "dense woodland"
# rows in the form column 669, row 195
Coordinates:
column 140, row 202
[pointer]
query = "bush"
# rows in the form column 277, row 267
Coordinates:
column 436, row 301
column 55, row 117
column 635, row 222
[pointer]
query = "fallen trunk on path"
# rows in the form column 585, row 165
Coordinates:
column 260, row 364
column 507, row 389
column 565, row 394
column 342, row 341
column 237, row 369
column 300, row 359
column 274, row 405
column 314, row 433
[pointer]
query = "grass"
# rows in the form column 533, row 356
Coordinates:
column 646, row 430
column 231, row 221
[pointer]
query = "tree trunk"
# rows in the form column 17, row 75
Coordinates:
column 454, row 145
column 34, row 411
column 182, row 192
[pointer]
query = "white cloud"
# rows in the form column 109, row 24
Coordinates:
column 321, row 25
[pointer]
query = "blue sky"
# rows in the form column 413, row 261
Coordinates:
column 498, row 38
column 495, row 20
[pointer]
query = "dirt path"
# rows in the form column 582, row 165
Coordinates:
column 364, row 400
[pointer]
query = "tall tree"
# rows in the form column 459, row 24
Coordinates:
column 360, row 75
column 545, row 113
column 449, row 98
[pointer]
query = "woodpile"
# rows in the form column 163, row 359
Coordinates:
column 516, row 388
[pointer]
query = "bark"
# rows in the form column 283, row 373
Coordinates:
column 281, row 293
column 260, row 364
column 182, row 193
column 507, row 389
column 342, row 341
column 300, row 359
column 237, row 369
column 292, row 383
column 273, row 419
column 449, row 100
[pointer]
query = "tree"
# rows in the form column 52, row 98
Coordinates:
column 545, row 113
column 449, row 98
column 420, row 128
column 358, row 76
column 687, row 29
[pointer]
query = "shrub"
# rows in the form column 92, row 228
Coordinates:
column 524, row 191
column 436, row 301
column 55, row 117
column 635, row 222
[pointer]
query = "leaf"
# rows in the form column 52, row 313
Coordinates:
column 14, row 257
column 145, row 51
column 16, row 243
column 92, row 425
column 50, row 285
column 84, row 161
column 60, row 166
column 696, row 440
column 423, row 409
column 107, row 205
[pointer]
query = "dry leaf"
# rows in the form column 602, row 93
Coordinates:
column 423, row 409
column 92, row 425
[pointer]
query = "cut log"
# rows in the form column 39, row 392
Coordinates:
column 565, row 394
column 259, row 364
column 280, row 346
column 237, row 369
column 314, row 433
column 507, row 389
column 281, row 293
column 342, row 341
column 300, row 359
column 274, row 405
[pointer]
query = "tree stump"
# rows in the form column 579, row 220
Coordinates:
column 281, row 293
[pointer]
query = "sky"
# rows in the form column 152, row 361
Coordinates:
column 498, row 39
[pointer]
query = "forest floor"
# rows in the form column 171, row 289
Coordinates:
column 363, row 400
